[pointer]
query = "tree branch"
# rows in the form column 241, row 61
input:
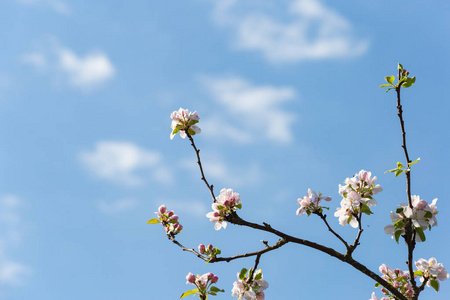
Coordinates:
column 324, row 218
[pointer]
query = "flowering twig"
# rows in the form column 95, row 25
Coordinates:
column 409, row 232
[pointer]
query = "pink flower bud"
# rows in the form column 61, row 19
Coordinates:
column 421, row 204
column 170, row 213
column 210, row 247
column 396, row 284
column 214, row 279
column 397, row 271
column 162, row 209
column 175, row 218
column 201, row 248
column 210, row 276
column 190, row 278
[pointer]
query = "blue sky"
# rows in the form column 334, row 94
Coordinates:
column 288, row 96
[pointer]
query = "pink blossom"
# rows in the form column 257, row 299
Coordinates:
column 201, row 248
column 226, row 203
column 310, row 203
column 182, row 121
column 432, row 270
column 190, row 278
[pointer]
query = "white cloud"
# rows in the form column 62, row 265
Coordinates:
column 116, row 207
column 56, row 5
column 11, row 272
column 84, row 72
column 125, row 163
column 252, row 111
column 305, row 30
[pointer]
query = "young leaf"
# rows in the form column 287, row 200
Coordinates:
column 188, row 293
column 411, row 163
column 216, row 289
column 435, row 285
column 419, row 231
column 258, row 275
column 153, row 221
column 398, row 172
column 243, row 273
column 397, row 235
column 365, row 209
column 409, row 82
column 400, row 67
column 385, row 85
column 377, row 284
column 418, row 273
column 428, row 215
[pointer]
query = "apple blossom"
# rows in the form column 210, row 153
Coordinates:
column 203, row 284
column 226, row 203
column 310, row 203
column 182, row 121
column 398, row 279
column 422, row 216
column 209, row 251
column 432, row 271
column 168, row 219
column 357, row 198
column 244, row 288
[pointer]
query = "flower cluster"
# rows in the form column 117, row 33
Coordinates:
column 432, row 271
column 311, row 203
column 357, row 197
column 203, row 284
column 182, row 121
column 168, row 219
column 209, row 251
column 244, row 288
column 422, row 215
column 398, row 279
column 226, row 203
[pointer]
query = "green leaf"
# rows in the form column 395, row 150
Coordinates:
column 389, row 89
column 398, row 172
column 420, row 233
column 397, row 235
column 399, row 210
column 390, row 79
column 239, row 206
column 243, row 273
column 400, row 165
column 192, row 122
column 418, row 273
column 176, row 129
column 216, row 289
column 390, row 171
column 377, row 284
column 258, row 275
column 212, row 293
column 412, row 163
column 191, row 132
column 365, row 209
column 428, row 215
column 409, row 82
column 385, row 85
column 400, row 67
column 188, row 293
column 153, row 221
column 435, row 285
column 399, row 224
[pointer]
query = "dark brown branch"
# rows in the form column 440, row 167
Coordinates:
column 197, row 152
column 324, row 218
column 252, row 271
column 235, row 219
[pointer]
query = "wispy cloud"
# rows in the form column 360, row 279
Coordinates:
column 84, row 72
column 125, row 163
column 11, row 272
column 304, row 30
column 56, row 5
column 252, row 111
column 118, row 206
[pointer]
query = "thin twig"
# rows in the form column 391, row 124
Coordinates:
column 324, row 218
column 197, row 152
column 358, row 236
